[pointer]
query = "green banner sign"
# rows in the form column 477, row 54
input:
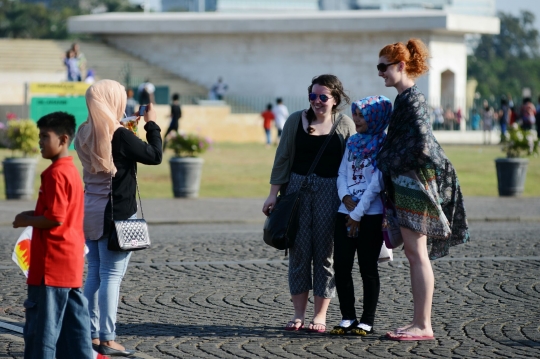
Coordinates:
column 76, row 106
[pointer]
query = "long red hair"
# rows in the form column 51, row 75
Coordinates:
column 415, row 55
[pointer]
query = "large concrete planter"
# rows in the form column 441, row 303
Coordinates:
column 511, row 173
column 19, row 175
column 186, row 175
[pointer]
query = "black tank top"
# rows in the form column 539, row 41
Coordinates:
column 306, row 149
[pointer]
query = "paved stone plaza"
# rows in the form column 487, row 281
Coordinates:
column 217, row 291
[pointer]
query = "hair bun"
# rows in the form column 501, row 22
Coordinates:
column 415, row 55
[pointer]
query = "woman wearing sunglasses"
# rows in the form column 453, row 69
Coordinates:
column 420, row 180
column 303, row 135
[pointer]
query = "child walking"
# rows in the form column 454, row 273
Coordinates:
column 57, row 321
column 268, row 116
column 359, row 219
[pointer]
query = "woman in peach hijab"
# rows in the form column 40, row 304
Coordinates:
column 109, row 154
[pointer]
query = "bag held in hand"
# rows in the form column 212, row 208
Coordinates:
column 390, row 225
column 281, row 225
column 129, row 234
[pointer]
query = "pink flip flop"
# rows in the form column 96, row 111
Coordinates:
column 311, row 330
column 405, row 336
column 291, row 326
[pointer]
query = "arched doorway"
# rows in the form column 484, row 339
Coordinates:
column 448, row 89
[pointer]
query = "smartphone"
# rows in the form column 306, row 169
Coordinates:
column 142, row 110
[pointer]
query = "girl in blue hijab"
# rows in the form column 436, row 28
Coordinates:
column 359, row 219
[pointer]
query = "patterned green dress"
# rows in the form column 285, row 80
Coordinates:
column 420, row 178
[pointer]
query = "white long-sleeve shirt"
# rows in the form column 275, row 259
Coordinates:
column 366, row 186
column 281, row 113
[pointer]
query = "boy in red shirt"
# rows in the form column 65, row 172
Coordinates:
column 268, row 116
column 57, row 320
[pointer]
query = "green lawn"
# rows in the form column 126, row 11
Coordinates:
column 243, row 170
column 475, row 167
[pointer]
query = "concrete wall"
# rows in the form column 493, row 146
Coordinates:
column 12, row 89
column 277, row 54
column 448, row 53
column 215, row 122
column 283, row 64
column 277, row 64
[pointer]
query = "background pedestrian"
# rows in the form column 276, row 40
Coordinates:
column 72, row 66
column 268, row 117
column 146, row 92
column 131, row 103
column 281, row 113
column 217, row 92
column 487, row 123
column 81, row 60
column 175, row 115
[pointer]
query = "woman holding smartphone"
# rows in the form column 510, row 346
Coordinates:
column 109, row 154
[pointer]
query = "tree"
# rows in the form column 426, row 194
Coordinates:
column 116, row 5
column 36, row 21
column 504, row 64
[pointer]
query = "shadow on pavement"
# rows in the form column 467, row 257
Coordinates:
column 205, row 331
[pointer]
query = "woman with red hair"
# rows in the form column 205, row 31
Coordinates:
column 420, row 180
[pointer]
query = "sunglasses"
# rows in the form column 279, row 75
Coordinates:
column 323, row 98
column 383, row 67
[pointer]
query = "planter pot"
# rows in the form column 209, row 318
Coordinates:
column 186, row 176
column 19, row 175
column 511, row 173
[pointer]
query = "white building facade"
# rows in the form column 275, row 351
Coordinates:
column 469, row 7
column 278, row 54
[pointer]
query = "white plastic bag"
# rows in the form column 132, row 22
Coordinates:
column 21, row 252
column 386, row 254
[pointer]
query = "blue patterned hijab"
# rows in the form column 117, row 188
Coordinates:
column 376, row 111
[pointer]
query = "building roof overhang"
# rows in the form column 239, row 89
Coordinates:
column 365, row 21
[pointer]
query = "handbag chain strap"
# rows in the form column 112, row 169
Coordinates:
column 138, row 193
column 321, row 150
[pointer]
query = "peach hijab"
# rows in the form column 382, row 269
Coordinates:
column 106, row 102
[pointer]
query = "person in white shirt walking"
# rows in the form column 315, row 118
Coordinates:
column 281, row 113
column 217, row 92
column 359, row 220
column 146, row 92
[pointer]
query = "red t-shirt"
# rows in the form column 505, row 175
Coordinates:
column 268, row 117
column 57, row 254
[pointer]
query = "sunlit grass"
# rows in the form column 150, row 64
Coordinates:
column 475, row 166
column 243, row 171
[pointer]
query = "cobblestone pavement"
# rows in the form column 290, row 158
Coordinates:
column 216, row 291
column 248, row 210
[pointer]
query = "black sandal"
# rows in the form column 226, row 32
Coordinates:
column 362, row 332
column 339, row 330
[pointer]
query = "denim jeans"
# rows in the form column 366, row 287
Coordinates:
column 57, row 324
column 106, row 270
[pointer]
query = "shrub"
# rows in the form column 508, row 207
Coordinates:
column 520, row 142
column 187, row 145
column 21, row 135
